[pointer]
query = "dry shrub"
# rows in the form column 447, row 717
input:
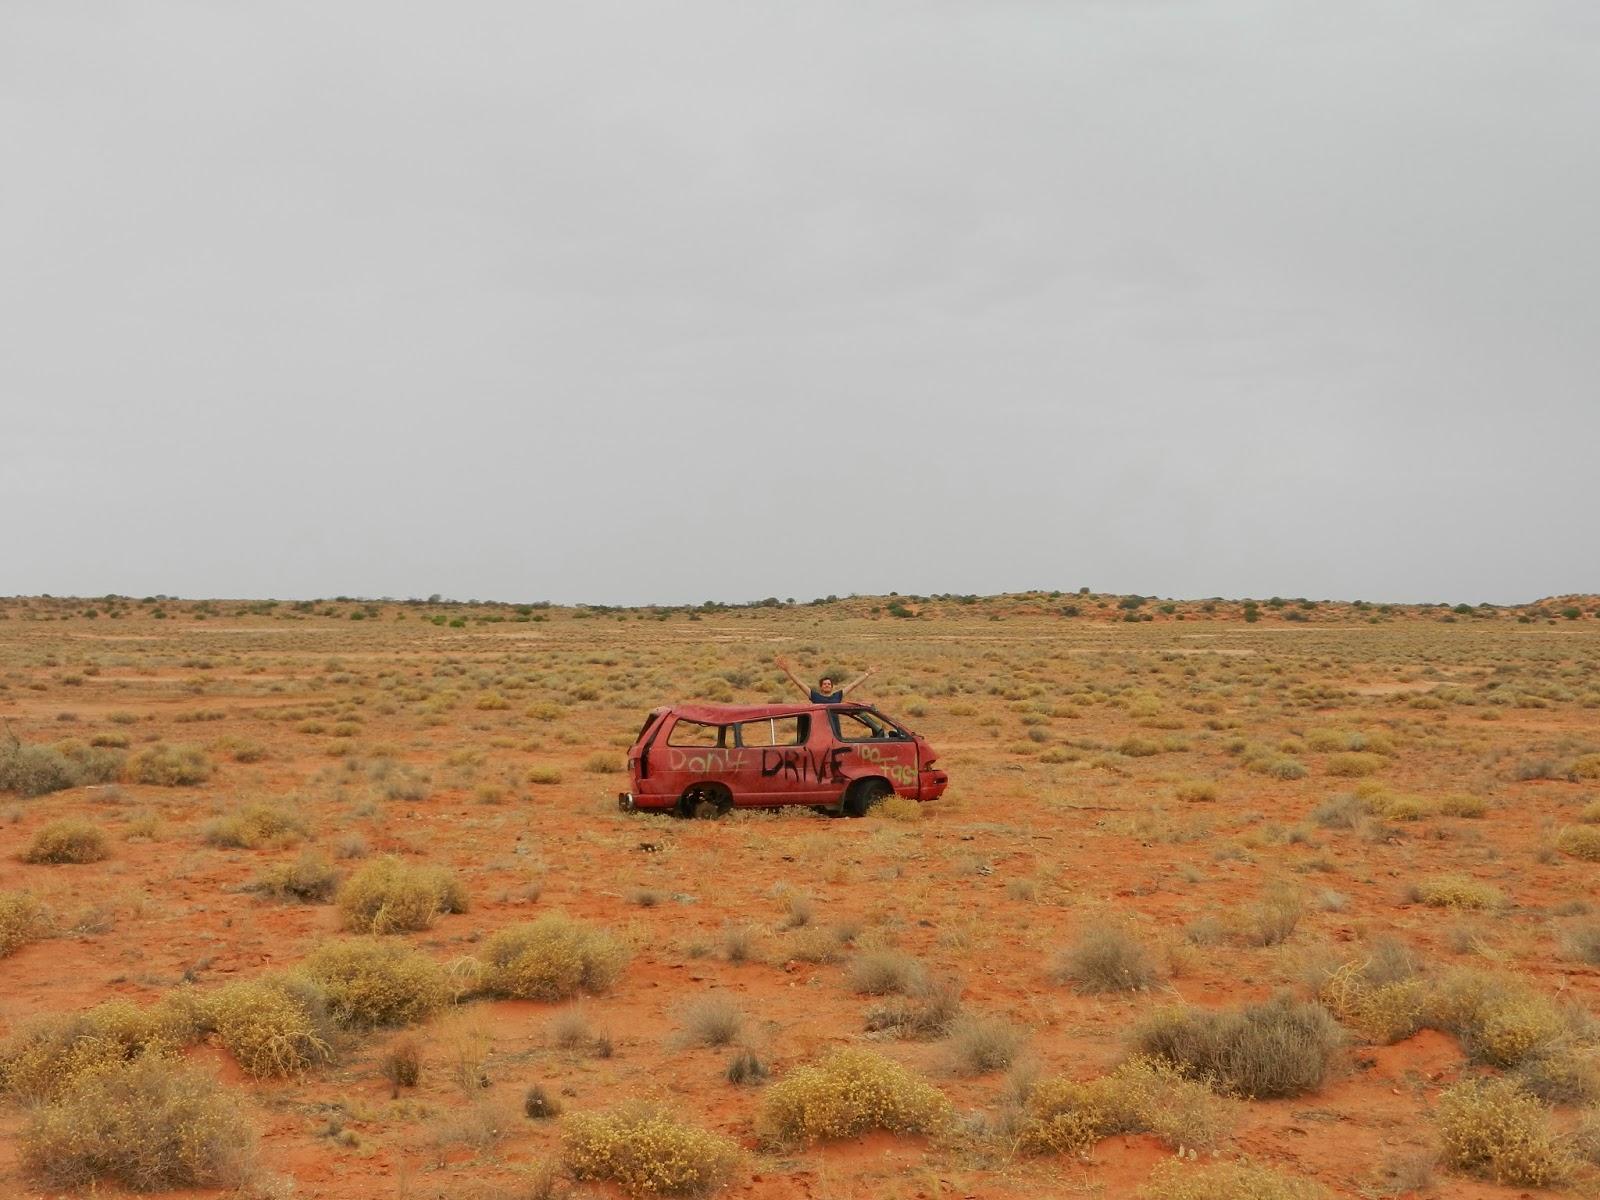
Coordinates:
column 149, row 1125
column 1455, row 891
column 67, row 841
column 253, row 827
column 979, row 1044
column 389, row 895
column 1225, row 1181
column 885, row 973
column 897, row 808
column 848, row 1093
column 1355, row 764
column 22, row 920
column 310, row 879
column 1580, row 841
column 1381, row 995
column 371, row 983
column 35, row 770
column 1561, row 1073
column 646, row 1151
column 170, row 766
column 1196, row 791
column 402, row 1065
column 927, row 1010
column 274, row 1026
column 745, row 1069
column 553, row 958
column 1271, row 920
column 539, row 1105
column 1144, row 1095
column 42, row 1059
column 1283, row 1047
column 711, row 1021
column 1460, row 805
column 1106, row 958
column 1499, row 1021
column 1583, row 943
column 1492, row 1129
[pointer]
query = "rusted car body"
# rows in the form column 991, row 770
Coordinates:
column 703, row 759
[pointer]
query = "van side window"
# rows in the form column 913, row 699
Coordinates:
column 775, row 731
column 853, row 727
column 693, row 733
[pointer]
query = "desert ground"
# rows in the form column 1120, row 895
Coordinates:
column 1291, row 900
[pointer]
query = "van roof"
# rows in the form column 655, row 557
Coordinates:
column 729, row 714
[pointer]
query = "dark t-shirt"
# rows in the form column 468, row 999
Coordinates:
column 826, row 697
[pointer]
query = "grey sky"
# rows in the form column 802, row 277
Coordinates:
column 632, row 302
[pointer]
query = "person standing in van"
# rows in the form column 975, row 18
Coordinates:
column 824, row 693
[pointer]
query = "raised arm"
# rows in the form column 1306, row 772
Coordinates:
column 858, row 681
column 788, row 669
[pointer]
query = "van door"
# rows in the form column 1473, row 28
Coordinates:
column 775, row 759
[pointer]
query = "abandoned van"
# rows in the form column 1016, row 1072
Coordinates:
column 703, row 759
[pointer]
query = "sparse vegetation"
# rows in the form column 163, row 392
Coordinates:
column 1279, row 1048
column 67, row 841
column 370, row 982
column 1144, row 1095
column 848, row 1093
column 388, row 895
column 1106, row 958
column 647, row 1151
column 553, row 958
column 147, row 1125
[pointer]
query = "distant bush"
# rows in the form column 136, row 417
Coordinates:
column 1063, row 1116
column 646, row 1151
column 277, row 1025
column 979, row 1045
column 1174, row 1180
column 711, row 1021
column 38, row 770
column 1499, row 1021
column 1492, row 1129
column 371, row 983
column 1460, row 805
column 1106, row 958
column 170, row 766
column 1580, row 841
column 1382, row 996
column 389, row 895
column 544, row 776
column 602, row 764
column 254, row 827
column 1355, row 764
column 149, row 1125
column 67, row 841
column 884, row 973
column 1455, row 891
column 22, row 920
column 310, row 879
column 1197, row 791
column 1279, row 1048
column 553, row 958
column 848, row 1093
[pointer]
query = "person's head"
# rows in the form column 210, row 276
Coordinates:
column 825, row 685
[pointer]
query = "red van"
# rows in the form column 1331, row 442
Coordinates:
column 703, row 759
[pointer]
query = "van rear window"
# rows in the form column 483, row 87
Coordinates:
column 693, row 733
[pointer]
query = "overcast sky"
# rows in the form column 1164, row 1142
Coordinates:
column 668, row 302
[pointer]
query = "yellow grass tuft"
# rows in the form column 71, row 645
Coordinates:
column 646, row 1151
column 389, row 895
column 1492, row 1129
column 552, row 958
column 149, row 1125
column 370, row 983
column 848, row 1093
